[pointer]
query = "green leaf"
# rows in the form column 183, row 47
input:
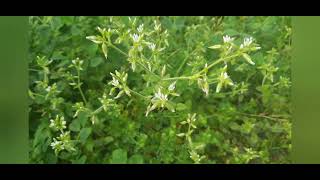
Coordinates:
column 136, row 159
column 84, row 134
column 83, row 117
column 247, row 58
column 67, row 19
column 218, row 46
column 231, row 32
column 181, row 134
column 170, row 106
column 75, row 125
column 96, row 61
column 181, row 107
column 81, row 160
column 108, row 140
column 95, row 39
column 119, row 156
column 56, row 23
column 234, row 126
column 105, row 50
column 75, row 31
column 92, row 49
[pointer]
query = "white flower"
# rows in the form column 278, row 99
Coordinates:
column 135, row 37
column 247, row 42
column 225, row 77
column 172, row 86
column 52, row 124
column 140, row 28
column 162, row 98
column 115, row 82
column 224, row 80
column 159, row 95
column 152, row 46
column 58, row 123
column 204, row 85
column 48, row 88
column 56, row 143
column 227, row 39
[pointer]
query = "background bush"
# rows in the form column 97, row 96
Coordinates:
column 247, row 122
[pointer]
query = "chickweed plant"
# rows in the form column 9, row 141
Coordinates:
column 160, row 89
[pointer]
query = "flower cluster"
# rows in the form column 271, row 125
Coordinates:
column 223, row 80
column 58, row 124
column 77, row 63
column 119, row 81
column 160, row 100
column 104, row 39
column 79, row 107
column 106, row 102
column 63, row 141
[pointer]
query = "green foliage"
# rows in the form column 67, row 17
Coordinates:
column 160, row 89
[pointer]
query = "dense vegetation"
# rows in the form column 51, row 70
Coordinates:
column 160, row 89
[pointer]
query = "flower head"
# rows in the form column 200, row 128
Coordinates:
column 57, row 145
column 227, row 39
column 115, row 82
column 223, row 80
column 172, row 86
column 204, row 85
column 160, row 96
column 159, row 100
column 152, row 46
column 62, row 142
column 135, row 37
column 58, row 123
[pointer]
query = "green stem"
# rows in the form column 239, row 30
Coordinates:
column 138, row 94
column 145, row 68
column 119, row 50
column 177, row 78
column 181, row 65
column 217, row 62
column 276, row 84
column 263, row 81
column 213, row 82
column 262, row 116
column 36, row 70
column 97, row 110
column 204, row 70
column 79, row 88
column 37, row 94
column 125, row 54
column 184, row 62
column 189, row 134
